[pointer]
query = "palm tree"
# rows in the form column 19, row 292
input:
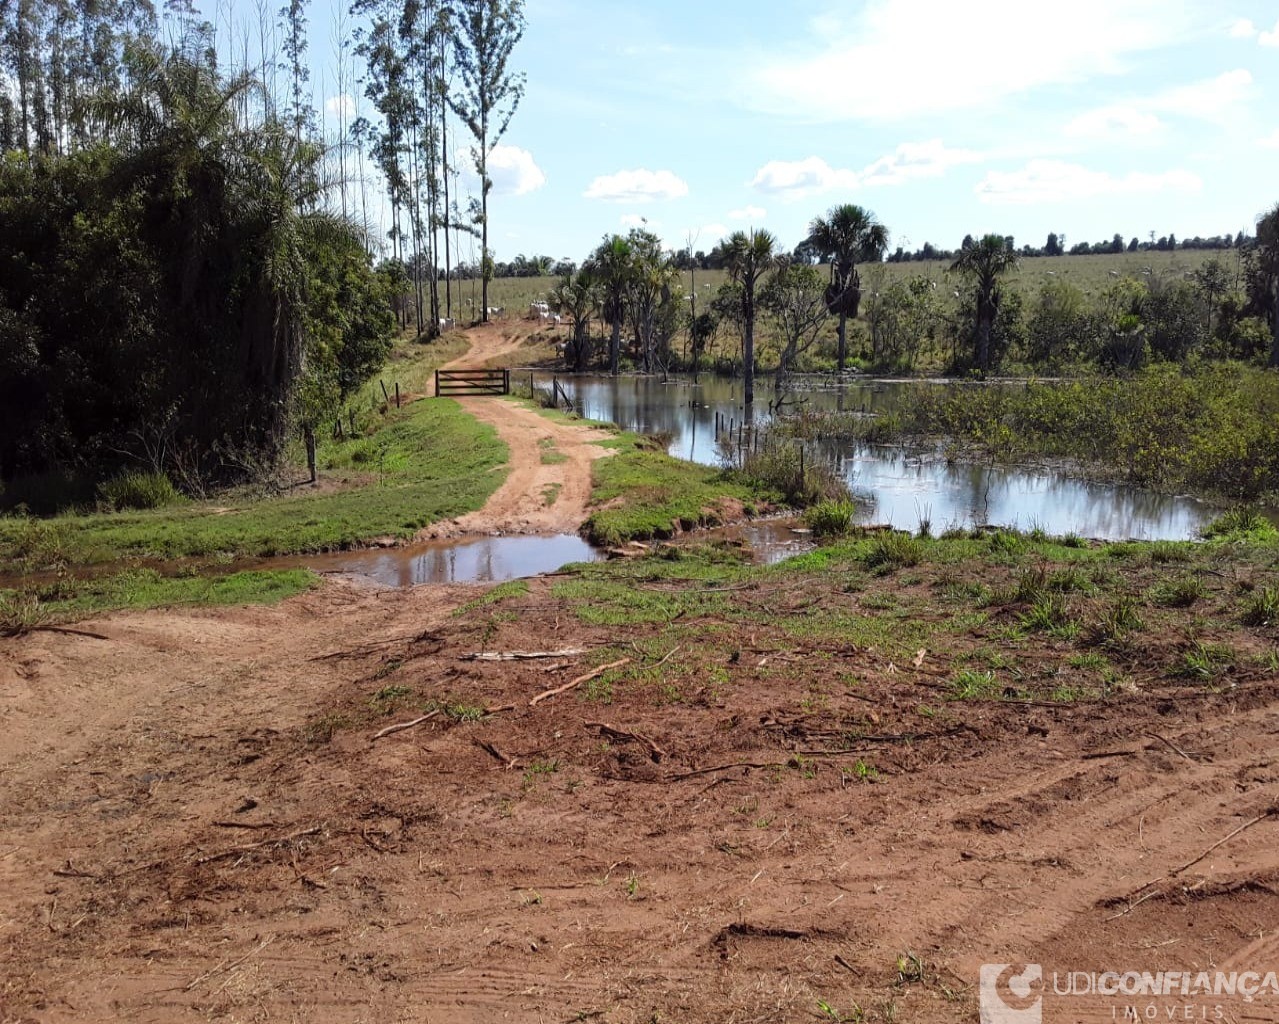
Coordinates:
column 747, row 258
column 848, row 234
column 648, row 290
column 985, row 262
column 578, row 295
column 611, row 265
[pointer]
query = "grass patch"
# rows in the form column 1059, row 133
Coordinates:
column 1179, row 592
column 495, row 595
column 137, row 489
column 830, row 518
column 891, row 551
column 66, row 600
column 548, row 453
column 1261, row 607
column 432, row 459
column 641, row 493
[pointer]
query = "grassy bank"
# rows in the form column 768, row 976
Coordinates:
column 1212, row 430
column 406, row 468
column 1002, row 617
column 641, row 493
column 63, row 600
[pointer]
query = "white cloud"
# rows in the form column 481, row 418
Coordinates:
column 1243, row 29
column 340, row 106
column 636, row 220
column 514, row 172
column 794, row 179
column 925, row 49
column 751, row 213
column 1117, row 121
column 1270, row 141
column 1208, row 98
column 1270, row 38
column 637, row 186
column 1053, row 181
column 913, row 160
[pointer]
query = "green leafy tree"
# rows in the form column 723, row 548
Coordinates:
column 650, row 281
column 846, row 236
column 984, row 263
column 1265, row 277
column 610, row 264
column 795, row 300
column 489, row 91
column 748, row 257
column 578, row 296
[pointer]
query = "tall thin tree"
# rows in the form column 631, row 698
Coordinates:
column 485, row 33
column 748, row 257
column 846, row 236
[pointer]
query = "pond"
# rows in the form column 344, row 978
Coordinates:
column 894, row 485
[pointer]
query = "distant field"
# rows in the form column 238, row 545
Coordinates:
column 1090, row 273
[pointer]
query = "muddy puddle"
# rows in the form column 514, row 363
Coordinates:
column 468, row 560
column 497, row 559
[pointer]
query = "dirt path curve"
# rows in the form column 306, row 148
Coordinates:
column 549, row 483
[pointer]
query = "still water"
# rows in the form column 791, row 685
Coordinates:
column 472, row 560
column 893, row 485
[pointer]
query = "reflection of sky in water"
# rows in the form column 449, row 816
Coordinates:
column 901, row 489
column 906, row 489
column 482, row 560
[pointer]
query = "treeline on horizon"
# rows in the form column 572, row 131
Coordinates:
column 972, row 323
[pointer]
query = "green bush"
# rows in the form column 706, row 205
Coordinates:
column 801, row 480
column 137, row 489
column 893, row 551
column 1240, row 523
column 1262, row 607
column 20, row 612
column 830, row 518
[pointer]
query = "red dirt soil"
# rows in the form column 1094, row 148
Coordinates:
column 197, row 824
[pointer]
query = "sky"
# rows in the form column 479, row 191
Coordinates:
column 943, row 117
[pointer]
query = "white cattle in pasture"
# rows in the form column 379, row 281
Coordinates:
column 447, row 324
column 496, row 311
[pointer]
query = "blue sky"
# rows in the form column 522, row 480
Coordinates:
column 942, row 116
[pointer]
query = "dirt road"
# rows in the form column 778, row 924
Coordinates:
column 198, row 821
column 198, row 824
column 548, row 485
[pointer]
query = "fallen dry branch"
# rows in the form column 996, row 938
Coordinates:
column 567, row 652
column 492, row 751
column 573, row 683
column 401, row 726
column 1270, row 812
column 613, row 732
column 376, row 645
column 237, row 851
column 1171, row 746
column 224, row 966
column 69, row 632
column 247, row 824
column 726, row 767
